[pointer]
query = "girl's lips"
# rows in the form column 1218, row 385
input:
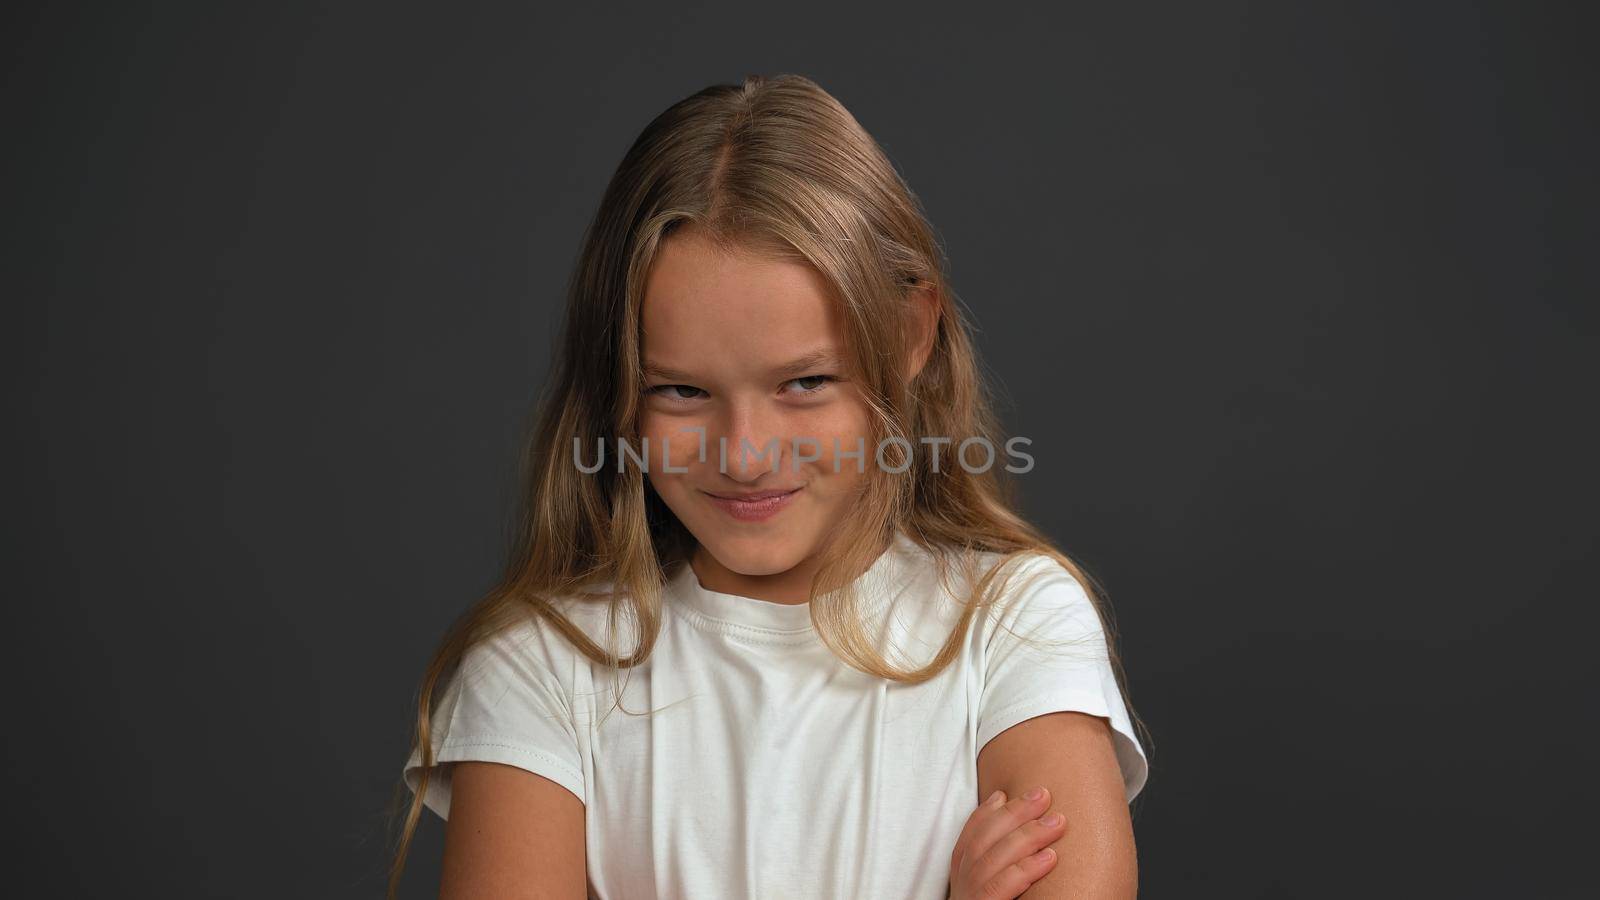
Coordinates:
column 765, row 506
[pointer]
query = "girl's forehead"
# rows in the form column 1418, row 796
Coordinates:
column 696, row 304
column 784, row 334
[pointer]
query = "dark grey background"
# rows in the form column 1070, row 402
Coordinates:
column 1297, row 302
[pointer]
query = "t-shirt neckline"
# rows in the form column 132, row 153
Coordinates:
column 783, row 622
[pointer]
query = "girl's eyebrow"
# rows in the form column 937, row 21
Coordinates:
column 826, row 356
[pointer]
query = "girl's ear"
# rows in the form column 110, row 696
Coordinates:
column 921, row 329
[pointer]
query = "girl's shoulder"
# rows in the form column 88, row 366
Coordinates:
column 1027, row 594
column 1014, row 578
column 530, row 640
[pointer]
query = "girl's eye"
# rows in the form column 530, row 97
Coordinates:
column 825, row 379
column 670, row 391
column 811, row 384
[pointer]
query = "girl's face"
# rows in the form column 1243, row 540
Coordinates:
column 749, row 350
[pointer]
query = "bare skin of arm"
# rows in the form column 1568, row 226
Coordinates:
column 512, row 834
column 1071, row 755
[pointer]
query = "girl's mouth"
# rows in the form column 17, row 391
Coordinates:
column 756, row 507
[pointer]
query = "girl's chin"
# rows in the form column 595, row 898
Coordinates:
column 750, row 554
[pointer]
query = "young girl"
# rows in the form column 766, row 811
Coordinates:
column 773, row 628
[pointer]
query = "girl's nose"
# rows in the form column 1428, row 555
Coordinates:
column 754, row 439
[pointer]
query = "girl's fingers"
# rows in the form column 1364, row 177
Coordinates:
column 1010, row 882
column 1023, row 843
column 999, row 847
column 990, row 826
column 984, row 809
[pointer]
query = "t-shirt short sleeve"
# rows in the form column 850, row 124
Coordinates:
column 1046, row 652
column 503, row 704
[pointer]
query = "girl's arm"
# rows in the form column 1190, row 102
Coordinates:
column 512, row 834
column 1071, row 755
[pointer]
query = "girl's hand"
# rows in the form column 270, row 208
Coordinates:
column 995, row 858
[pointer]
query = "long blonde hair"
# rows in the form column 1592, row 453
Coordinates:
column 776, row 166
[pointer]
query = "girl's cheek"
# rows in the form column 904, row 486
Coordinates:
column 669, row 443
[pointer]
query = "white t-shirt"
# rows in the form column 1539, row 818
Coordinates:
column 770, row 768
